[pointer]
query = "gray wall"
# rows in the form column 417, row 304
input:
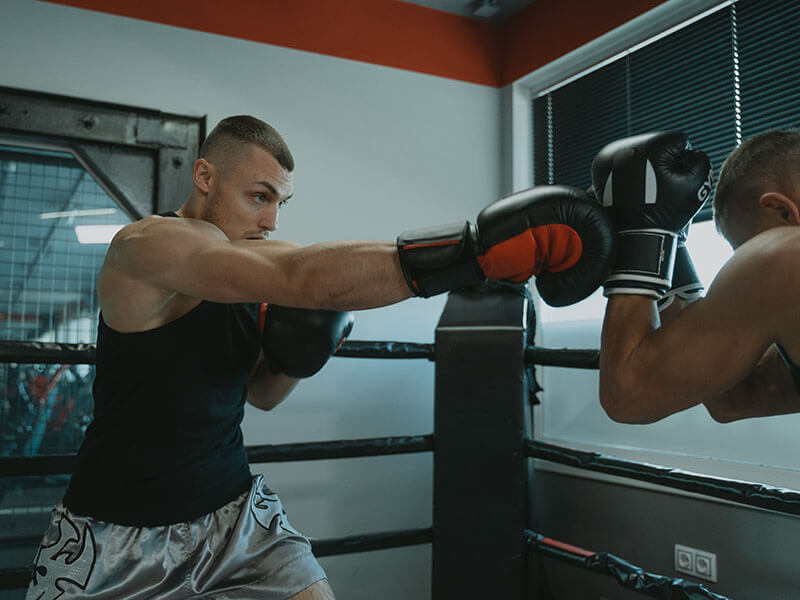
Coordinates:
column 378, row 150
column 757, row 551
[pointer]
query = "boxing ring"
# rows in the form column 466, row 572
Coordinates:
column 482, row 448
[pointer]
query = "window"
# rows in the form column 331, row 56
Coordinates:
column 49, row 262
column 72, row 173
column 721, row 77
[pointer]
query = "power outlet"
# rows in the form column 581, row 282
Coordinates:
column 698, row 563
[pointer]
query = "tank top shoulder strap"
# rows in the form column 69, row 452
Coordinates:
column 794, row 370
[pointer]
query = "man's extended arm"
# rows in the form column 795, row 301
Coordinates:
column 194, row 258
column 554, row 232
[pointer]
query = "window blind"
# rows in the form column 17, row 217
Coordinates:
column 721, row 79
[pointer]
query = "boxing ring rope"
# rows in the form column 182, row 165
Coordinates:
column 70, row 354
column 627, row 575
column 741, row 492
column 561, row 357
column 85, row 354
column 60, row 353
column 482, row 445
column 59, row 464
column 11, row 579
column 370, row 542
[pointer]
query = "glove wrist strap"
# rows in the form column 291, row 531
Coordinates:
column 686, row 284
column 644, row 263
column 439, row 259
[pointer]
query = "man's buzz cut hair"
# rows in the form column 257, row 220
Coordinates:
column 766, row 161
column 233, row 132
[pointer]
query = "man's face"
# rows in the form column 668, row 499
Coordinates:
column 247, row 193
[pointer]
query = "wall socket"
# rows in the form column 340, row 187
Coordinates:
column 698, row 563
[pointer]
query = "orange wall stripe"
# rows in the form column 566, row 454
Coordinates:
column 396, row 34
column 384, row 32
column 548, row 29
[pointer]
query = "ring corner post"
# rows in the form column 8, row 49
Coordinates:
column 479, row 498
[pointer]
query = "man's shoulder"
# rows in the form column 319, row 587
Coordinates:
column 769, row 260
column 777, row 245
column 160, row 225
column 131, row 295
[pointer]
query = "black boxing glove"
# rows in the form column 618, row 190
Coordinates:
column 555, row 232
column 299, row 341
column 651, row 185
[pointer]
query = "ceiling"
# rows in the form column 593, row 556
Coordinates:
column 504, row 8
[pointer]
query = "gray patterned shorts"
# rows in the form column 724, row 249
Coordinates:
column 246, row 549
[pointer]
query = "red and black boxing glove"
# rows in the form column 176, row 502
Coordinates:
column 299, row 341
column 555, row 232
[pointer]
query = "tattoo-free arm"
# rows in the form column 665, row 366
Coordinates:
column 648, row 372
column 194, row 258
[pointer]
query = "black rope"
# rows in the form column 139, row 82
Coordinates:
column 71, row 354
column 27, row 352
column 15, row 579
column 29, row 466
column 48, row 353
column 24, row 466
column 339, row 449
column 360, row 349
column 627, row 575
column 371, row 541
column 11, row 579
column 743, row 492
column 552, row 357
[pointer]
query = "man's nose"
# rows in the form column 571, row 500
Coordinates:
column 269, row 218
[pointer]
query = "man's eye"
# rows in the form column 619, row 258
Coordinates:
column 260, row 197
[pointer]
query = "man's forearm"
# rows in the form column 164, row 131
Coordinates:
column 629, row 320
column 354, row 275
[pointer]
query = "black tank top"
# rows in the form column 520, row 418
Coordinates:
column 165, row 444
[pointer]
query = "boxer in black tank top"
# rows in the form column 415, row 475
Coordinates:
column 178, row 357
column 162, row 396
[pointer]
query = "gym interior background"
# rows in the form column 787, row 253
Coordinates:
column 399, row 116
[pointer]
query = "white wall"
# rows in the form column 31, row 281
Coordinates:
column 378, row 150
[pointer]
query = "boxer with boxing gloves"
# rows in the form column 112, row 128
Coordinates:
column 730, row 350
column 162, row 490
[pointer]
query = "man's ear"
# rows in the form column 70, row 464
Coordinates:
column 781, row 207
column 202, row 173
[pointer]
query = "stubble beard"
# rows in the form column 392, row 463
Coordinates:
column 211, row 209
